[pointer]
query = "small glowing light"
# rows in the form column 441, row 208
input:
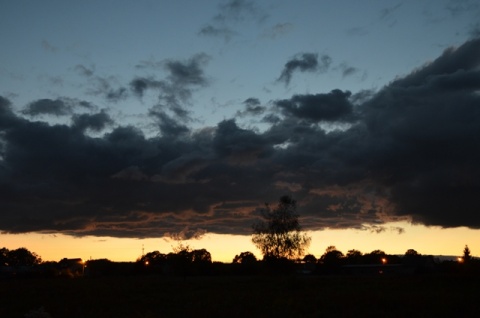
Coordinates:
column 146, row 262
column 384, row 261
column 460, row 260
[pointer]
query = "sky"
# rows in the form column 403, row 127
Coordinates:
column 133, row 126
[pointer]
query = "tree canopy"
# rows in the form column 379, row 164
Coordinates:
column 19, row 257
column 244, row 258
column 279, row 234
column 466, row 254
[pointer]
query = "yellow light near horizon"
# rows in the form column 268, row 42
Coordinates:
column 223, row 248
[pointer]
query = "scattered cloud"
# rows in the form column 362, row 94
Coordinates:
column 253, row 107
column 217, row 31
column 108, row 88
column 240, row 10
column 357, row 31
column 175, row 92
column 386, row 13
column 475, row 30
column 84, row 70
column 304, row 62
column 458, row 7
column 278, row 30
column 230, row 13
column 347, row 70
column 47, row 46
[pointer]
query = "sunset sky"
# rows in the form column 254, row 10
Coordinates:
column 130, row 125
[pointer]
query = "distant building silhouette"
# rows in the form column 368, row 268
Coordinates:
column 75, row 266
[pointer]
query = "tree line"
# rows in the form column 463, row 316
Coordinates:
column 277, row 234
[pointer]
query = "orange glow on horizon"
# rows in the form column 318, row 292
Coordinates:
column 223, row 248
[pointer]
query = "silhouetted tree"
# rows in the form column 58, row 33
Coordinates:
column 22, row 257
column 245, row 263
column 411, row 253
column 4, row 256
column 467, row 257
column 201, row 261
column 100, row 267
column 375, row 257
column 152, row 262
column 201, row 256
column 185, row 261
column 244, row 258
column 354, row 257
column 412, row 258
column 331, row 254
column 332, row 260
column 280, row 235
column 310, row 258
column 180, row 260
column 154, row 258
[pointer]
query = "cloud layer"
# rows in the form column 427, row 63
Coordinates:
column 409, row 151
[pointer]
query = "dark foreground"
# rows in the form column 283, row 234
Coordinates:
column 259, row 296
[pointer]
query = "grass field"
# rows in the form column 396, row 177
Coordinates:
column 259, row 296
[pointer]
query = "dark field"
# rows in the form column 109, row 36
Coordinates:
column 259, row 296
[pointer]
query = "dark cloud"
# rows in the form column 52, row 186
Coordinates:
column 188, row 72
column 167, row 125
column 409, row 151
column 95, row 122
column 239, row 146
column 57, row 107
column 452, row 61
column 140, row 85
column 116, row 95
column 305, row 62
column 362, row 96
column 334, row 106
column 175, row 91
column 433, row 115
column 253, row 107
